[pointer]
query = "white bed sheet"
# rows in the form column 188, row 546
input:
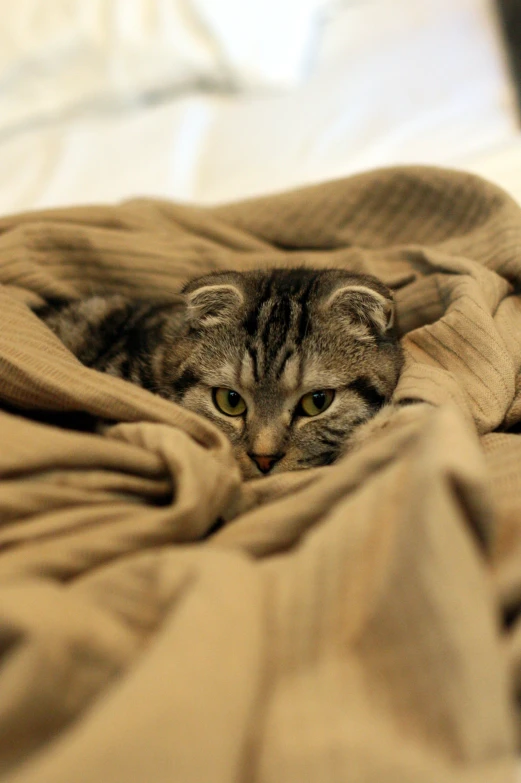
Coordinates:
column 65, row 55
column 395, row 81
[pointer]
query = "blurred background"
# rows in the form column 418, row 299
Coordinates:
column 213, row 100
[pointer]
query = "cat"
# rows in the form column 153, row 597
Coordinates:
column 286, row 362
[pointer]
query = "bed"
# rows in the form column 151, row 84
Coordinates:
column 369, row 84
column 160, row 618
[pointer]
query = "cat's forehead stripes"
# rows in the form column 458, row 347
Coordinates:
column 291, row 375
column 277, row 323
column 247, row 372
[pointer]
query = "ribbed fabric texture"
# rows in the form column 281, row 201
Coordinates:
column 351, row 623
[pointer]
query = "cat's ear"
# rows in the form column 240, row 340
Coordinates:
column 213, row 304
column 363, row 307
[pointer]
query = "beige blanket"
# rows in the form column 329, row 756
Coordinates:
column 352, row 623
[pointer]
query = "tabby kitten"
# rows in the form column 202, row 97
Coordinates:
column 287, row 362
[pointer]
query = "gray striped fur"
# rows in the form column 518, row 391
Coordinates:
column 271, row 335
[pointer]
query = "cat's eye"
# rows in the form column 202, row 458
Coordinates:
column 316, row 402
column 228, row 402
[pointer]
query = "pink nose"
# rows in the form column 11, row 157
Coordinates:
column 265, row 462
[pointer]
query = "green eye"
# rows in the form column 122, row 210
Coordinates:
column 316, row 402
column 228, row 402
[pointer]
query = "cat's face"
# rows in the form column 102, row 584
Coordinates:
column 288, row 362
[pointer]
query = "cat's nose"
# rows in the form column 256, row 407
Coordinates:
column 265, row 462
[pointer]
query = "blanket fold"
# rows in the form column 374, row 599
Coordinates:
column 163, row 620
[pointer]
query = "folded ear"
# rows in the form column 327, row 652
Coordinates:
column 213, row 304
column 364, row 308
